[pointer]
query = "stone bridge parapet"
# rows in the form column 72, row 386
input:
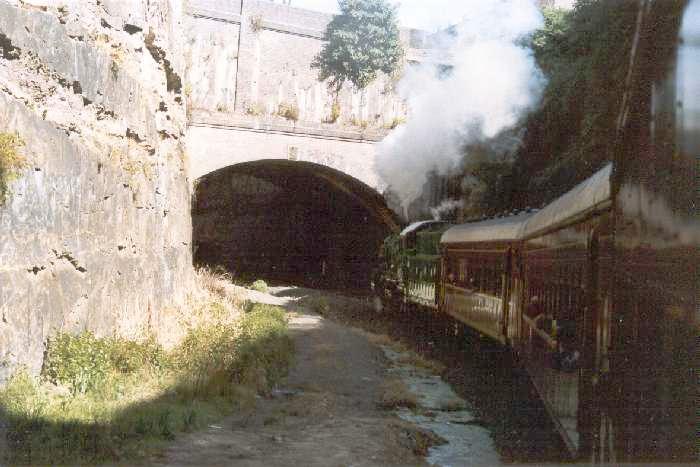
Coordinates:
column 253, row 95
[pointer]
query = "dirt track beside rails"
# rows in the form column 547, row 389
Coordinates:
column 326, row 414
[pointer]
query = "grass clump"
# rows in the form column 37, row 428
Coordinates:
column 259, row 286
column 11, row 162
column 288, row 111
column 396, row 394
column 110, row 399
column 397, row 121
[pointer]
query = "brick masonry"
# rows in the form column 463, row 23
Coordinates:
column 247, row 61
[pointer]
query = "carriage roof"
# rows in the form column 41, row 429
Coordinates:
column 585, row 197
column 501, row 229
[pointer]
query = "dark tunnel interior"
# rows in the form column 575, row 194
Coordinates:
column 290, row 221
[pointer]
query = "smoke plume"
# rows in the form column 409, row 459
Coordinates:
column 489, row 82
column 445, row 208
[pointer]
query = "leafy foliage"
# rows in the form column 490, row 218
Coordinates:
column 78, row 362
column 127, row 356
column 11, row 161
column 82, row 362
column 585, row 55
column 361, row 41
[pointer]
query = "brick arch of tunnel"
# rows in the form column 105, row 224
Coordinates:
column 290, row 220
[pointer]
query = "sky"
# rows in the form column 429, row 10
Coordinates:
column 430, row 15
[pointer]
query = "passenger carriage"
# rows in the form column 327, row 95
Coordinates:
column 597, row 292
column 476, row 269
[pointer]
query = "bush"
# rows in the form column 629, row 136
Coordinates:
column 77, row 362
column 82, row 362
column 202, row 360
column 126, row 356
column 259, row 286
column 263, row 308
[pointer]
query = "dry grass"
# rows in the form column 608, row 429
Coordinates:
column 310, row 404
column 396, row 394
column 382, row 340
column 109, row 399
column 220, row 285
column 377, row 339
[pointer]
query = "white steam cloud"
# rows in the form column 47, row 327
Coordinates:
column 493, row 81
column 444, row 208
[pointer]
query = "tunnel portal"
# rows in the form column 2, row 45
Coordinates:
column 293, row 221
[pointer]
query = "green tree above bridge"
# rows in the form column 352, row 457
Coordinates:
column 361, row 41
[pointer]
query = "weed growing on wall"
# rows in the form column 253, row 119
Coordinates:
column 289, row 111
column 11, row 162
column 335, row 113
column 254, row 110
column 256, row 23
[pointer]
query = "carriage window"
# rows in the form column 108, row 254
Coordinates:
column 462, row 270
column 559, row 288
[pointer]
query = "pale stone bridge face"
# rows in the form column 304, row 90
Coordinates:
column 213, row 147
column 253, row 96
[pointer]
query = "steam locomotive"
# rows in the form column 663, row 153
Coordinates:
column 596, row 293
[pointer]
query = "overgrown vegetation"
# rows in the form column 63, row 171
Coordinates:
column 110, row 399
column 585, row 55
column 362, row 41
column 11, row 162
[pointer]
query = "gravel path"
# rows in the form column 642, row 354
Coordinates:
column 326, row 414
